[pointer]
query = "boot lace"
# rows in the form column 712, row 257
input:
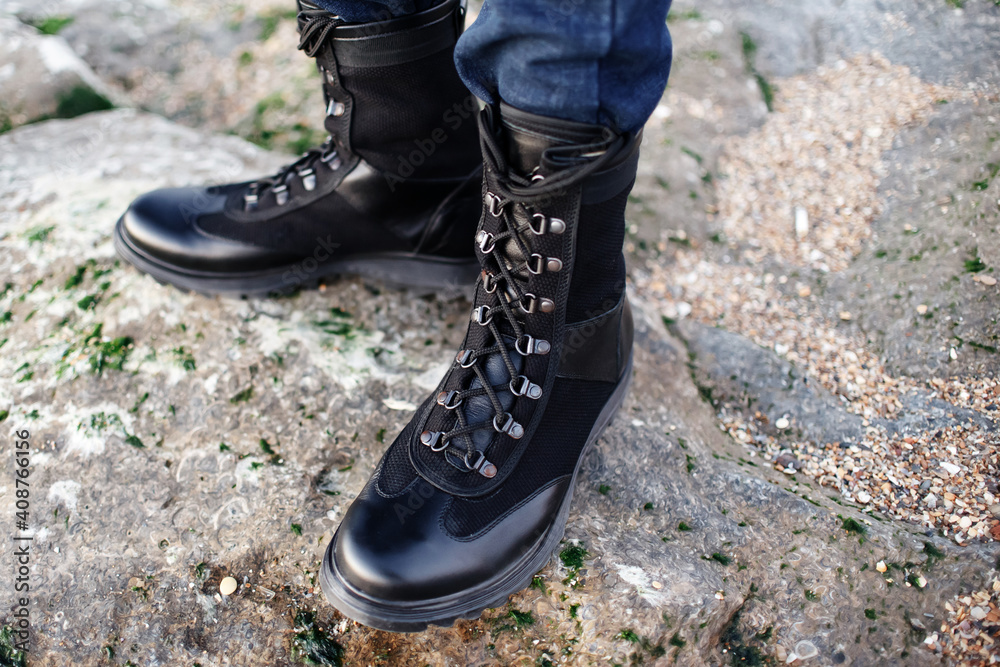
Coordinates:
column 315, row 26
column 516, row 202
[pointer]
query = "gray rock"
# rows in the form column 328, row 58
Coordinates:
column 119, row 38
column 933, row 186
column 41, row 76
column 150, row 482
column 939, row 41
column 733, row 370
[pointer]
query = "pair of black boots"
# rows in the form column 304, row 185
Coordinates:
column 472, row 497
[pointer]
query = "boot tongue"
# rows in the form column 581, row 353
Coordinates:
column 529, row 136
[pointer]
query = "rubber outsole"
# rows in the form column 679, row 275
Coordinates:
column 398, row 269
column 468, row 604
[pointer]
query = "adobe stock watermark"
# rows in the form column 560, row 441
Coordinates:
column 21, row 595
column 424, row 148
column 414, row 500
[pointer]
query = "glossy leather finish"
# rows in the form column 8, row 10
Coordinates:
column 163, row 225
column 169, row 225
column 395, row 549
column 597, row 349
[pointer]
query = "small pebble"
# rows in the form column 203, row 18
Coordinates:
column 788, row 462
column 781, row 424
column 863, row 497
column 806, row 649
column 804, row 291
column 995, row 510
column 986, row 280
column 951, row 468
column 657, row 585
column 227, row 586
column 921, row 309
column 880, row 566
column 801, row 222
column 978, row 613
column 845, row 315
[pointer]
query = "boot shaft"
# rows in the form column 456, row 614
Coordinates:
column 540, row 146
column 393, row 95
column 549, row 307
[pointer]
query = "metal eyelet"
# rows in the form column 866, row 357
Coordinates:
column 485, row 242
column 489, row 282
column 526, row 345
column 494, row 204
column 331, row 159
column 537, row 264
column 482, row 466
column 465, row 358
column 250, row 201
column 509, row 426
column 335, row 108
column 482, row 315
column 280, row 194
column 308, row 178
column 447, row 399
column 542, row 224
column 530, row 303
column 525, row 387
column 433, row 440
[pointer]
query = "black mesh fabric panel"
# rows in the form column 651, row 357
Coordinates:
column 571, row 413
column 397, row 473
column 599, row 272
column 414, row 115
column 297, row 230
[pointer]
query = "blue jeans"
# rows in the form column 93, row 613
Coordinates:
column 594, row 61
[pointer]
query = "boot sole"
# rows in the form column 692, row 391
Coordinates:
column 398, row 269
column 469, row 604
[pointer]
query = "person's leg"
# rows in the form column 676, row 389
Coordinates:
column 593, row 61
column 472, row 497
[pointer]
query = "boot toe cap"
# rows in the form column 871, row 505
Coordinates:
column 162, row 226
column 387, row 548
column 397, row 549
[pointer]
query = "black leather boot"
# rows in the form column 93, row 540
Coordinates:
column 472, row 497
column 393, row 194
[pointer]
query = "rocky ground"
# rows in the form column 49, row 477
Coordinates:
column 806, row 470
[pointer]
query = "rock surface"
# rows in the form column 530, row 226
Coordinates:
column 179, row 441
column 200, row 448
column 42, row 77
